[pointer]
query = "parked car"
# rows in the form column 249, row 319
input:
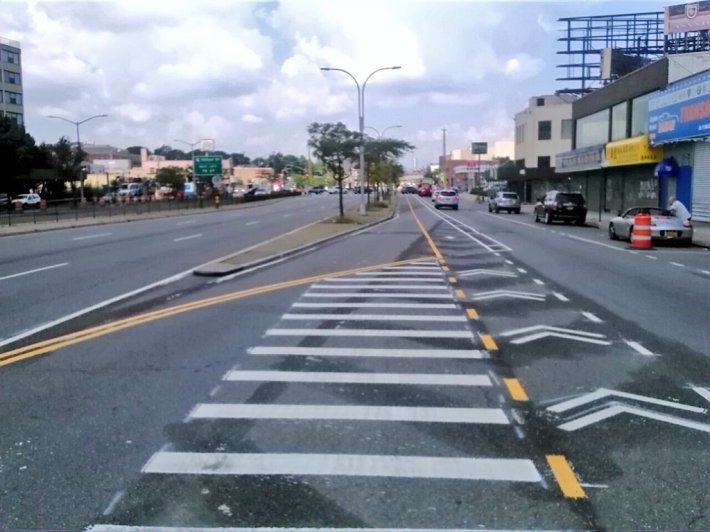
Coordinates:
column 28, row 200
column 424, row 191
column 664, row 226
column 257, row 191
column 447, row 198
column 504, row 201
column 318, row 189
column 109, row 197
column 566, row 206
column 130, row 190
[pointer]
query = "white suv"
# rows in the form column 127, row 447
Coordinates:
column 28, row 200
column 504, row 201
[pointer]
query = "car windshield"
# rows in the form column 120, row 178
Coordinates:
column 570, row 198
column 448, row 193
column 509, row 195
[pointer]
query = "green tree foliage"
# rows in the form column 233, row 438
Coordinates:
column 381, row 155
column 171, row 176
column 334, row 145
column 17, row 151
column 172, row 154
column 239, row 159
column 135, row 150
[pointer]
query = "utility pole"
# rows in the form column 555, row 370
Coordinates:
column 443, row 154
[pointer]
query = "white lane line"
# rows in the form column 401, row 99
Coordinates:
column 28, row 272
column 379, row 333
column 538, row 281
column 389, row 295
column 253, row 223
column 198, row 235
column 367, row 352
column 357, row 465
column 508, row 261
column 588, row 241
column 413, row 268
column 148, row 528
column 560, row 297
column 497, row 254
column 522, row 270
column 428, row 306
column 424, row 379
column 591, row 317
column 375, row 280
column 87, row 237
column 705, row 272
column 379, row 286
column 113, row 503
column 639, row 348
column 287, row 215
column 374, row 317
column 703, row 392
column 386, row 275
column 678, row 264
column 651, row 257
column 416, row 414
column 186, row 222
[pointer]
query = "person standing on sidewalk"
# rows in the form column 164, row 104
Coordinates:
column 678, row 209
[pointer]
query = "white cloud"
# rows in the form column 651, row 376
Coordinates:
column 522, row 66
column 252, row 119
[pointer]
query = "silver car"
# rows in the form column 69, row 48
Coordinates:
column 504, row 201
column 447, row 198
column 664, row 226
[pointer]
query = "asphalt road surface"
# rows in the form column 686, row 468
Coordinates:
column 444, row 370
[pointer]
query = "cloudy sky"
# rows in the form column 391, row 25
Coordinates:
column 247, row 73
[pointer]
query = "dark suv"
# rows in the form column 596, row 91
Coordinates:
column 556, row 205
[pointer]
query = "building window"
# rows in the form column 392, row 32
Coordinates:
column 592, row 129
column 17, row 117
column 566, row 128
column 11, row 77
column 618, row 121
column 11, row 57
column 639, row 115
column 543, row 161
column 544, row 130
column 520, row 134
column 13, row 97
column 540, row 102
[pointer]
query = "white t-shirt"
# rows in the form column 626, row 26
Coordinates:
column 679, row 210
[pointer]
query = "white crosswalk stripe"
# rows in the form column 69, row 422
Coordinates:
column 374, row 317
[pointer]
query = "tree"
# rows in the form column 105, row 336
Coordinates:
column 380, row 157
column 135, row 150
column 334, row 145
column 172, row 177
column 172, row 154
column 66, row 160
column 17, row 150
column 239, row 159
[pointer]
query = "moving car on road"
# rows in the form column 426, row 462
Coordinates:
column 424, row 191
column 664, row 226
column 504, row 201
column 566, row 206
column 447, row 198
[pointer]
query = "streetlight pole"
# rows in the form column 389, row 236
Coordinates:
column 380, row 135
column 361, row 122
column 78, row 145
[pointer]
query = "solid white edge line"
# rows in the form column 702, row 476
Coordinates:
column 639, row 348
column 330, row 377
column 414, row 414
column 253, row 222
column 148, row 528
column 706, row 272
column 499, row 469
column 12, row 276
column 198, row 235
column 561, row 297
column 87, row 237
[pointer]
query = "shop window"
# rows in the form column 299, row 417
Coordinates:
column 544, row 130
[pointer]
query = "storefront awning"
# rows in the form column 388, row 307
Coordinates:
column 632, row 151
column 580, row 160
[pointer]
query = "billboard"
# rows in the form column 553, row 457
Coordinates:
column 479, row 148
column 581, row 159
column 680, row 111
column 682, row 18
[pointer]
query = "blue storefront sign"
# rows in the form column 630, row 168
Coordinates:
column 680, row 111
column 579, row 160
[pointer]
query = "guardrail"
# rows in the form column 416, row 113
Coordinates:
column 66, row 210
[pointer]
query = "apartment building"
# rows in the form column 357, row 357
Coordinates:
column 11, row 100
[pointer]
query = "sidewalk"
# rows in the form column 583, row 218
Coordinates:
column 701, row 230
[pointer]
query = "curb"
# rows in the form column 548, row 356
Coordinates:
column 219, row 272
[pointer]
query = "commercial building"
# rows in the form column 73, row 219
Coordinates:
column 11, row 98
column 542, row 130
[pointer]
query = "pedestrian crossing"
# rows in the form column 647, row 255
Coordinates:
column 362, row 417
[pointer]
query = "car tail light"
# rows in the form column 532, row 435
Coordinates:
column 456, row 197
column 687, row 224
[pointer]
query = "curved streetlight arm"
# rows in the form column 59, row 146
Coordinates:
column 368, row 79
column 375, row 130
column 388, row 127
column 91, row 118
column 359, row 92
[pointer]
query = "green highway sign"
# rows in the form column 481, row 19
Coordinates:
column 479, row 148
column 207, row 165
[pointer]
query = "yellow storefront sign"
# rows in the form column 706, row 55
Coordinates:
column 632, row 151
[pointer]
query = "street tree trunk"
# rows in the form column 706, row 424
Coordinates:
column 340, row 191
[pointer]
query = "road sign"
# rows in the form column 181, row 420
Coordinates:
column 479, row 148
column 216, row 180
column 207, row 165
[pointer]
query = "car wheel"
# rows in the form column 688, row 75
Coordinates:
column 437, row 206
column 497, row 210
column 612, row 233
column 489, row 208
column 537, row 218
column 581, row 222
column 456, row 207
column 548, row 217
column 516, row 211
